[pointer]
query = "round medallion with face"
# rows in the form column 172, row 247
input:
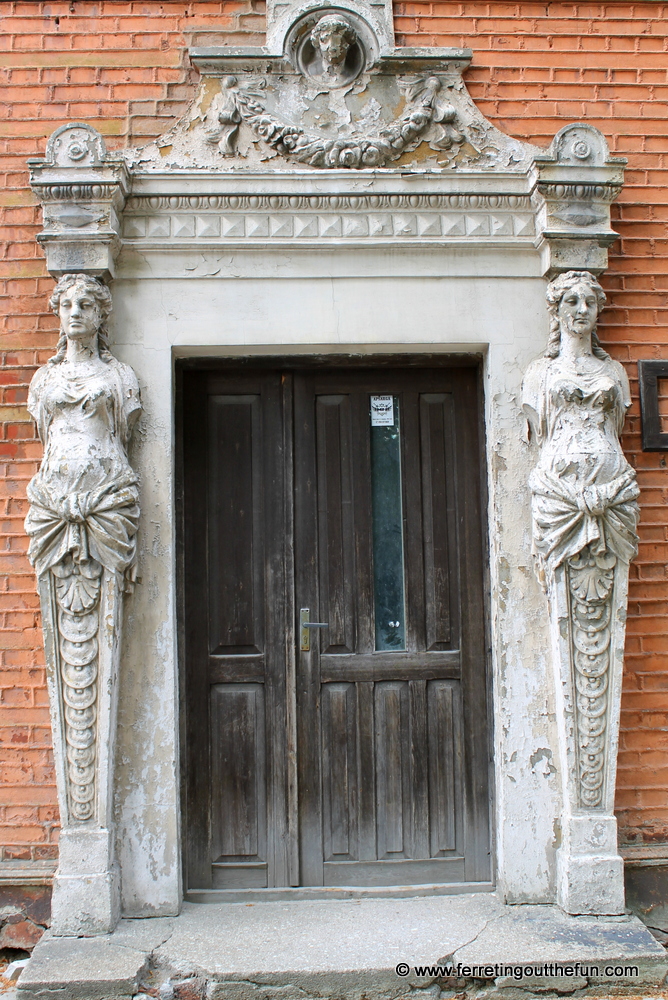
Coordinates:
column 332, row 54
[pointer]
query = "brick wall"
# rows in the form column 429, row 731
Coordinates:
column 122, row 67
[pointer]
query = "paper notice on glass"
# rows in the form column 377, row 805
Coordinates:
column 382, row 411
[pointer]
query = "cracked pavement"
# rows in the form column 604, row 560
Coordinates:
column 339, row 949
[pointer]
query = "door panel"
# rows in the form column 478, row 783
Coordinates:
column 340, row 772
column 378, row 531
column 336, row 557
column 238, row 772
column 393, row 770
column 235, row 635
column 236, row 524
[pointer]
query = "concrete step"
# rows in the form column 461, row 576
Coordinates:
column 356, row 949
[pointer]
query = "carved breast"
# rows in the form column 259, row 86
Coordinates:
column 79, row 420
column 603, row 394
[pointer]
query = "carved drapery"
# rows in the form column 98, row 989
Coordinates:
column 585, row 516
column 82, row 523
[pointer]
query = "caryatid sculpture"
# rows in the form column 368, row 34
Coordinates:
column 82, row 523
column 585, row 517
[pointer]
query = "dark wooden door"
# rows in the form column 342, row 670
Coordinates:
column 353, row 497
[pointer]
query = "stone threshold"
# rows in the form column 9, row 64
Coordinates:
column 350, row 949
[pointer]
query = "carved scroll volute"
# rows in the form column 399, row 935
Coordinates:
column 585, row 517
column 82, row 522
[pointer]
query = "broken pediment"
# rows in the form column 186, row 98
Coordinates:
column 328, row 133
column 333, row 99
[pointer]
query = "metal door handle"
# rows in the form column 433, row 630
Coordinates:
column 304, row 626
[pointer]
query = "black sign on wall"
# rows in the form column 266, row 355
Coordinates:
column 654, row 404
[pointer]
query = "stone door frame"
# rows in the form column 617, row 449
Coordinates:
column 208, row 261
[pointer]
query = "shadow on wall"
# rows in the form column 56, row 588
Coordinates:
column 646, row 886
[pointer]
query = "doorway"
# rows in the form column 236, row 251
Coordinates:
column 335, row 699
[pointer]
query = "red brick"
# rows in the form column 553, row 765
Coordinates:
column 534, row 66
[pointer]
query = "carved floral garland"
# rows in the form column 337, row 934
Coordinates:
column 77, row 599
column 590, row 583
column 292, row 141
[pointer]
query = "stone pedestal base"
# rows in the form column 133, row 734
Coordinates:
column 590, row 872
column 86, row 887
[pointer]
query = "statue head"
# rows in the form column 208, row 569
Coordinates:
column 82, row 304
column 574, row 301
column 331, row 38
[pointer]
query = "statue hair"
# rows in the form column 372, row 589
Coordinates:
column 556, row 290
column 102, row 297
column 330, row 21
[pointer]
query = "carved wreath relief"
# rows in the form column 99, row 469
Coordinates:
column 330, row 57
column 244, row 100
column 583, row 501
column 83, row 513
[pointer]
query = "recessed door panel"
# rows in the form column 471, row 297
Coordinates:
column 236, row 496
column 238, row 784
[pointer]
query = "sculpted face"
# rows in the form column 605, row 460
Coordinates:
column 333, row 45
column 79, row 314
column 332, row 38
column 578, row 310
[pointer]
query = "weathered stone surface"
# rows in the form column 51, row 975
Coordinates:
column 531, row 936
column 546, row 984
column 433, row 253
column 313, row 938
column 83, row 189
column 82, row 522
column 143, row 935
column 574, row 182
column 81, row 969
column 340, row 950
column 312, row 947
column 585, row 516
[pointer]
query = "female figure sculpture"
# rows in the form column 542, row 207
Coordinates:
column 585, row 515
column 82, row 524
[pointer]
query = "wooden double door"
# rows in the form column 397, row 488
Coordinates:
column 335, row 704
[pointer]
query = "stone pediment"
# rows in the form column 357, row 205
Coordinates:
column 408, row 110
column 331, row 91
column 329, row 134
